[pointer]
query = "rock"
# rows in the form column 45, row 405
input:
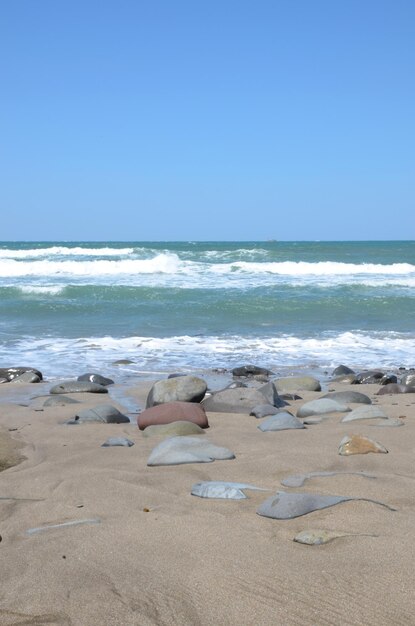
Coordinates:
column 290, row 396
column 123, row 362
column 320, row 536
column 243, row 399
column 298, row 480
column 173, row 412
column 290, row 505
column 26, row 377
column 407, row 379
column 369, row 377
column 58, row 400
column 394, row 388
column 180, row 389
column 12, row 372
column 391, row 422
column 3, row 380
column 297, row 383
column 76, row 386
column 321, row 407
column 251, row 370
column 174, row 429
column 314, row 419
column 262, row 410
column 349, row 397
column 96, row 378
column 388, row 379
column 104, row 413
column 220, row 489
column 365, row 412
column 237, row 384
column 341, row 370
column 349, row 379
column 281, row 421
column 357, row 444
column 180, row 450
column 117, row 441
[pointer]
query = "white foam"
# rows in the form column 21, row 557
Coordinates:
column 322, row 268
column 42, row 289
column 63, row 251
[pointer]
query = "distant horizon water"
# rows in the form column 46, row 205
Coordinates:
column 69, row 307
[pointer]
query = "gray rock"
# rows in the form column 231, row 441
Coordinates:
column 365, row 412
column 58, row 400
column 281, row 421
column 104, row 413
column 76, row 386
column 290, row 505
column 262, row 410
column 26, row 377
column 321, row 407
column 96, row 378
column 349, row 397
column 369, row 377
column 220, row 489
column 243, row 400
column 178, row 389
column 388, row 379
column 117, row 441
column 394, row 388
column 250, row 370
column 349, row 379
column 181, row 450
column 341, row 370
column 297, row 383
column 12, row 372
column 298, row 480
column 174, row 429
column 408, row 379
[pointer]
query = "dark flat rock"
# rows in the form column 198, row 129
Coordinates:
column 77, row 386
column 96, row 378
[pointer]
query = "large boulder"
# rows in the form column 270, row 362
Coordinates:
column 178, row 389
column 173, row 412
column 297, row 383
column 243, row 399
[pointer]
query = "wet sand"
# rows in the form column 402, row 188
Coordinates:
column 152, row 554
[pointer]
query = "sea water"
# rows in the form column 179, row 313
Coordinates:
column 67, row 308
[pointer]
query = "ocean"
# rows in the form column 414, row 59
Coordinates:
column 68, row 308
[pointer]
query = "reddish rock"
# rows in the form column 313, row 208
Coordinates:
column 173, row 412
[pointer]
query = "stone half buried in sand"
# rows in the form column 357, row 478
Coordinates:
column 281, row 421
column 298, row 480
column 320, row 536
column 357, row 444
column 222, row 489
column 78, row 386
column 59, row 400
column 348, row 397
column 173, row 412
column 297, row 383
column 175, row 429
column 117, row 441
column 365, row 412
column 178, row 389
column 321, row 406
column 181, row 450
column 289, row 505
column 104, row 413
column 243, row 399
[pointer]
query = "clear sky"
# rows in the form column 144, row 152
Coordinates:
column 207, row 119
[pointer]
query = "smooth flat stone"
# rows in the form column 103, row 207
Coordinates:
column 221, row 489
column 290, row 505
column 297, row 383
column 40, row 529
column 394, row 388
column 58, row 400
column 104, row 413
column 321, row 407
column 117, row 441
column 349, row 397
column 78, row 386
column 357, row 444
column 175, row 429
column 319, row 537
column 263, row 410
column 298, row 480
column 96, row 378
column 365, row 412
column 280, row 421
column 180, row 450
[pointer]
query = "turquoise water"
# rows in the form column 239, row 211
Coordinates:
column 66, row 307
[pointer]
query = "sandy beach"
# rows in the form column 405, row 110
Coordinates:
column 150, row 553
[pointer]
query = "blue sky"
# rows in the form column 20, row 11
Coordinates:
column 207, row 120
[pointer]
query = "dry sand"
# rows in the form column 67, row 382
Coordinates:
column 160, row 556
